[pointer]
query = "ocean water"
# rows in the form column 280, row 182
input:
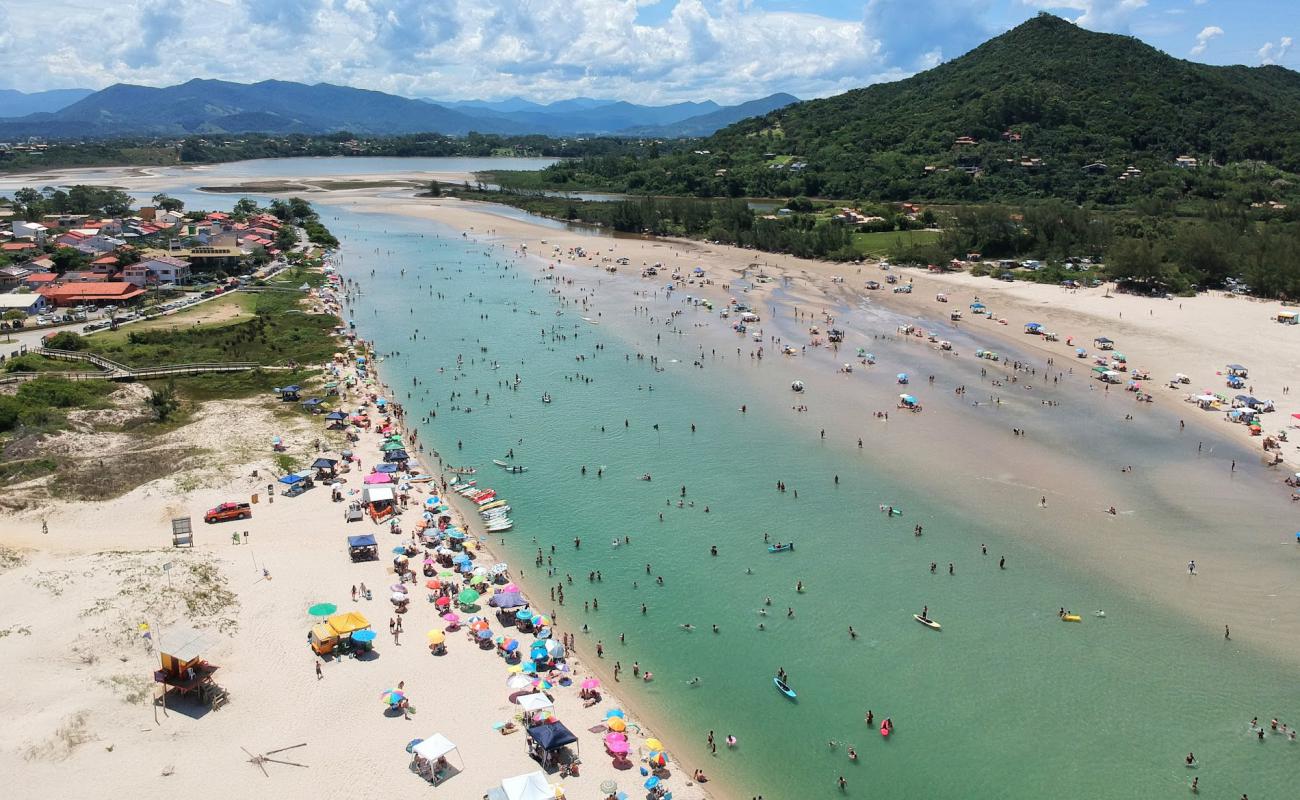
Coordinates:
column 1006, row 701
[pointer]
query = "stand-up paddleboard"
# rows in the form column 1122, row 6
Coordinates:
column 1071, row 618
column 929, row 623
column 784, row 688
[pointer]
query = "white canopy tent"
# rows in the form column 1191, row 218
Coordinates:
column 435, row 747
column 376, row 494
column 534, row 702
column 532, row 786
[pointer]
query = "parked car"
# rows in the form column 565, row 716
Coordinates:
column 228, row 511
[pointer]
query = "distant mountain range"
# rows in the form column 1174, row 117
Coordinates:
column 14, row 103
column 211, row 107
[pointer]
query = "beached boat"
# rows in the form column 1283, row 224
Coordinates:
column 780, row 548
column 500, row 527
column 495, row 504
column 784, row 688
column 927, row 622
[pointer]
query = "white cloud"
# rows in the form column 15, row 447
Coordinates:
column 1203, row 38
column 1272, row 53
column 1097, row 15
column 728, row 50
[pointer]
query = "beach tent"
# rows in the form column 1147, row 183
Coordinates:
column 535, row 702
column 508, row 600
column 437, row 746
column 336, row 416
column 395, row 456
column 377, row 478
column 324, row 463
column 552, row 736
column 385, row 468
column 532, row 786
column 363, row 548
column 376, row 494
column 1033, row 327
column 1238, row 370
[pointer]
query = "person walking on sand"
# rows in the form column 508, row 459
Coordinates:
column 319, row 674
column 1226, row 635
column 1191, row 567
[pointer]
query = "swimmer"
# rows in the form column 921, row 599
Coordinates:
column 686, row 626
column 694, row 681
column 853, row 754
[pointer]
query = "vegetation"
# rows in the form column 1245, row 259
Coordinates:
column 31, row 204
column 970, row 129
column 40, row 404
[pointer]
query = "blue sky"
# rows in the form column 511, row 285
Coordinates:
column 656, row 51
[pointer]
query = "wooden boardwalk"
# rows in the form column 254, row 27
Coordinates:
column 110, row 370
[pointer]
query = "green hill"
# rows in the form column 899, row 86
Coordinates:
column 1019, row 117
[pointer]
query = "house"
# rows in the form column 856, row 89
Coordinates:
column 1182, row 162
column 33, row 231
column 17, row 247
column 72, row 294
column 1132, row 173
column 205, row 257
column 12, row 277
column 160, row 269
column 168, row 218
column 1095, row 168
column 1011, row 136
column 30, row 303
column 38, row 279
column 81, row 276
column 64, row 220
column 99, row 244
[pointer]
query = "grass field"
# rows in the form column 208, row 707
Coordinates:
column 879, row 244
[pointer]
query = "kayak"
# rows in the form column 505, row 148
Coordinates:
column 784, row 688
column 1072, row 618
column 929, row 623
column 780, row 548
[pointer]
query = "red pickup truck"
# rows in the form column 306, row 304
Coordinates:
column 229, row 511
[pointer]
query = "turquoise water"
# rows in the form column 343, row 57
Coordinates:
column 1005, row 701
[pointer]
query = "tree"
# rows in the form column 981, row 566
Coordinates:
column 286, row 237
column 434, row 189
column 1136, row 260
column 245, row 207
column 66, row 340
column 164, row 402
column 167, row 203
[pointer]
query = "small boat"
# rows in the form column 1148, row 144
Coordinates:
column 780, row 548
column 420, row 479
column 490, row 506
column 927, row 622
column 784, row 688
column 546, row 398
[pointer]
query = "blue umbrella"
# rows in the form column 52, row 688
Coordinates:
column 459, row 558
column 388, row 468
column 410, row 746
column 364, row 636
column 484, row 634
column 455, row 534
column 397, row 550
column 523, row 613
column 529, row 668
column 614, row 712
column 652, row 782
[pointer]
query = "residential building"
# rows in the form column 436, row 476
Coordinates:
column 1095, row 168
column 13, row 277
column 161, row 269
column 1182, row 162
column 39, row 279
column 33, row 231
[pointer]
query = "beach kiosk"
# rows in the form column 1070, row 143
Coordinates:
column 1237, row 371
column 183, row 668
column 337, row 632
column 1288, row 318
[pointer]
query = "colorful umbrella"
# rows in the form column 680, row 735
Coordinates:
column 484, row 634
column 543, row 684
column 591, row 683
column 452, row 618
column 437, row 637
column 392, row 697
column 364, row 636
column 617, row 747
column 614, row 712
column 467, row 596
column 442, row 602
column 656, row 760
column 517, row 682
column 654, row 744
column 434, row 584
column 616, row 724
column 322, row 609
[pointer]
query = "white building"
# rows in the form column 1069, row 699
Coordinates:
column 29, row 303
column 163, row 269
column 29, row 230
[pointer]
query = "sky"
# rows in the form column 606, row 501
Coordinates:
column 646, row 51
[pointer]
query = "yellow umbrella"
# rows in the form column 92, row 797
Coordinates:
column 515, row 668
column 437, row 637
column 654, row 744
column 616, row 724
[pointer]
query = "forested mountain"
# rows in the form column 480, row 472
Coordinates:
column 1045, row 110
column 284, row 107
column 14, row 103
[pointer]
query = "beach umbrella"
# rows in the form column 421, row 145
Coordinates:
column 410, row 746
column 399, row 550
column 399, row 597
column 392, row 697
column 364, row 636
column 514, row 669
column 398, row 587
column 453, row 533
column 652, row 782
column 543, row 633
column 524, row 614
column 590, row 683
column 554, row 649
column 509, row 644
column 543, row 684
column 433, row 583
column 478, row 580
column 467, row 596
column 616, row 747
column 529, row 668
column 654, row 744
column 459, row 558
column 442, row 602
column 500, row 568
column 454, row 619
column 656, row 760
column 614, row 712
column 480, row 625
column 608, row 787
column 484, row 634
column 437, row 637
column 517, row 682
column 616, row 724
column 322, row 609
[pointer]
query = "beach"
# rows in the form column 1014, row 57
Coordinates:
column 957, row 468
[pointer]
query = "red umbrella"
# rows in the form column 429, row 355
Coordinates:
column 442, row 602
